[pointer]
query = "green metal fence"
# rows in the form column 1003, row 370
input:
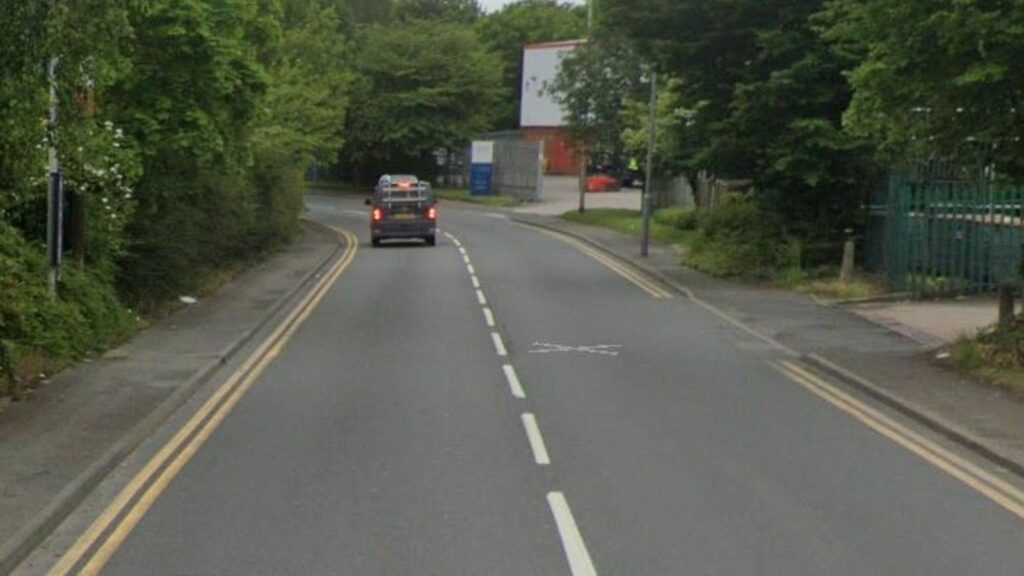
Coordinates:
column 934, row 232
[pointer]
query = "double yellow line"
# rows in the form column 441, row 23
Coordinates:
column 161, row 470
column 987, row 484
column 653, row 288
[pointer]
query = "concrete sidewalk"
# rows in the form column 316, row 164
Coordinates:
column 933, row 323
column 71, row 432
column 890, row 366
column 562, row 194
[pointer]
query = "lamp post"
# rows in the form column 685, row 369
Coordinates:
column 645, row 240
column 55, row 193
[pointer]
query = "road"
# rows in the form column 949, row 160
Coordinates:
column 505, row 403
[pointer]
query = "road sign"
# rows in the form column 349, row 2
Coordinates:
column 481, row 171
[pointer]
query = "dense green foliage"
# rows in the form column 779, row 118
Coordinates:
column 813, row 100
column 87, row 317
column 767, row 94
column 740, row 239
column 593, row 86
column 412, row 97
column 185, row 129
column 935, row 78
column 461, row 11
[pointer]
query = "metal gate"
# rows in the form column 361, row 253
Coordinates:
column 518, row 169
column 939, row 231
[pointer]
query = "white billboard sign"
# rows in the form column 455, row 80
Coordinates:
column 539, row 109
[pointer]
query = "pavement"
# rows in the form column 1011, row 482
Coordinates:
column 933, row 323
column 561, row 194
column 61, row 442
column 509, row 402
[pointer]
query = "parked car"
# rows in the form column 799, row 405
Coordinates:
column 403, row 207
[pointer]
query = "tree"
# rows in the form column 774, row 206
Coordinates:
column 507, row 31
column 412, row 97
column 671, row 120
column 768, row 95
column 935, row 78
column 191, row 101
column 310, row 82
column 462, row 11
column 593, row 84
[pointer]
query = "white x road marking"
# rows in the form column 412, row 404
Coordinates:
column 601, row 349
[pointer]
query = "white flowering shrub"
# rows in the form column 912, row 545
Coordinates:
column 103, row 166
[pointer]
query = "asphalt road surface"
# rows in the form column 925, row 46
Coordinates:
column 505, row 403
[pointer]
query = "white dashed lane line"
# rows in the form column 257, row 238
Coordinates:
column 540, row 451
column 499, row 346
column 572, row 541
column 576, row 552
column 513, row 381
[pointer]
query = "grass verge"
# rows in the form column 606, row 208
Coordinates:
column 992, row 357
column 630, row 222
column 464, row 196
column 828, row 286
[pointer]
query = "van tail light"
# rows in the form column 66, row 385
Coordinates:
column 378, row 214
column 431, row 213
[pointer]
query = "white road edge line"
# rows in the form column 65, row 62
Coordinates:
column 470, row 268
column 489, row 316
column 513, row 381
column 575, row 550
column 476, row 281
column 499, row 346
column 540, row 451
column 481, row 298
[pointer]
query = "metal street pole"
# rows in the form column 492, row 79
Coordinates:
column 651, row 127
column 582, row 146
column 55, row 196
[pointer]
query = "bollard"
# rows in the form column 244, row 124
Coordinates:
column 1006, row 305
column 849, row 258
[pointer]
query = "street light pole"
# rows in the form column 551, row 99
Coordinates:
column 584, row 160
column 651, row 128
column 55, row 195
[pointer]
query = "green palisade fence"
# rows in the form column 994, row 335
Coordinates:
column 943, row 236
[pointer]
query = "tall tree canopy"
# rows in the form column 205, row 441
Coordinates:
column 593, row 85
column 937, row 78
column 412, row 97
column 462, row 11
column 768, row 95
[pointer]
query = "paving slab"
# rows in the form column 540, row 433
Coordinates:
column 934, row 323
